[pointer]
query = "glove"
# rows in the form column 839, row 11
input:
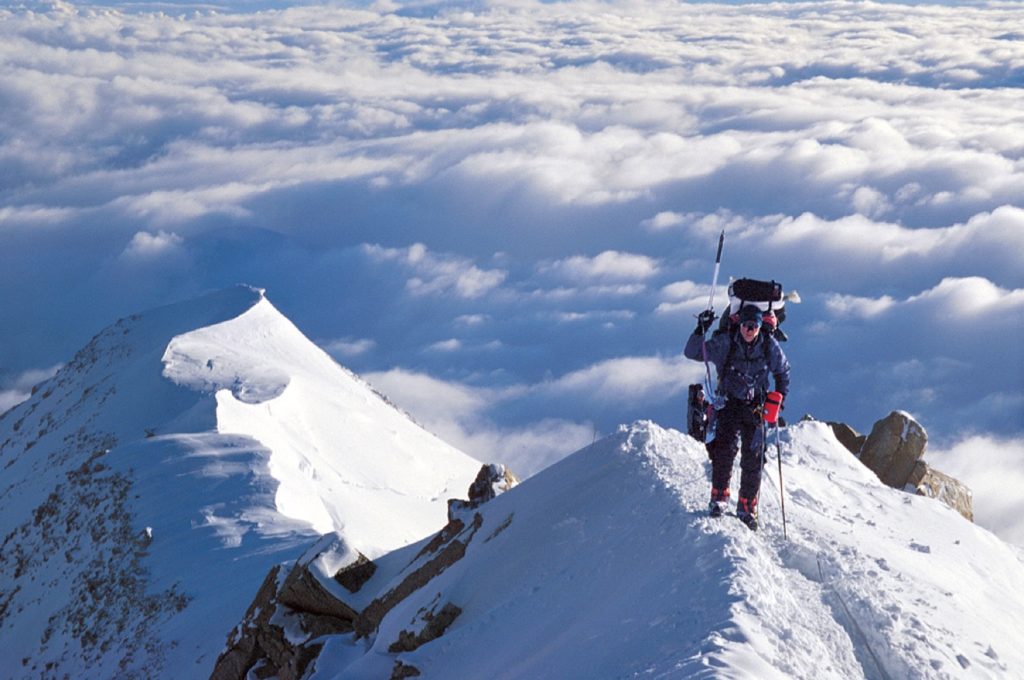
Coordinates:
column 704, row 321
column 772, row 406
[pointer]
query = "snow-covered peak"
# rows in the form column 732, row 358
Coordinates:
column 345, row 459
column 248, row 355
column 149, row 486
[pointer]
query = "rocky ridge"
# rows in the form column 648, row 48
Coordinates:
column 333, row 589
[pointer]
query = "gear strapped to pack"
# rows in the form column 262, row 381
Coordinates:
column 766, row 296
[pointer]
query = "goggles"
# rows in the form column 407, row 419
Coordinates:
column 751, row 324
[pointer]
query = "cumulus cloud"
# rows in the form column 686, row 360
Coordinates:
column 18, row 388
column 449, row 345
column 147, row 246
column 628, row 378
column 440, row 274
column 848, row 246
column 348, row 347
column 464, row 414
column 664, row 220
column 609, row 315
column 852, row 305
column 967, row 299
column 993, row 467
column 971, row 299
column 471, row 319
column 685, row 297
column 460, row 415
column 950, row 354
column 610, row 265
column 432, row 400
column 526, row 450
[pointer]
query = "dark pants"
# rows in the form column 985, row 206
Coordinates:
column 738, row 425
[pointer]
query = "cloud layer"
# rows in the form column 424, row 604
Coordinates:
column 506, row 212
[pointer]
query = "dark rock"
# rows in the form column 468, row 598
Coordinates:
column 451, row 552
column 492, row 480
column 893, row 448
column 243, row 651
column 894, row 451
column 402, row 671
column 355, row 575
column 436, row 623
column 848, row 437
column 302, row 592
column 260, row 649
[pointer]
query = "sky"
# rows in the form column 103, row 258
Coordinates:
column 504, row 215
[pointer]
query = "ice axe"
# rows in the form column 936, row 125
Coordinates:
column 711, row 308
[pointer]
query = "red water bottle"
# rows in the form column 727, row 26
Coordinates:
column 772, row 405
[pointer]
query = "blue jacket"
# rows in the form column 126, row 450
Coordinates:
column 746, row 377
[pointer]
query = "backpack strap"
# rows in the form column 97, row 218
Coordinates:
column 728, row 358
column 765, row 348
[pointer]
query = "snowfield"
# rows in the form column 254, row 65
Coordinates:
column 150, row 486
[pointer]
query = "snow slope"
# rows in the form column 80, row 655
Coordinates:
column 149, row 486
column 607, row 567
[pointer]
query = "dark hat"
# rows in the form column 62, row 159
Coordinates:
column 750, row 313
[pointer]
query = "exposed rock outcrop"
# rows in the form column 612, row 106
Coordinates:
column 895, row 450
column 354, row 576
column 492, row 480
column 301, row 602
column 895, row 445
column 293, row 608
column 927, row 481
column 447, row 548
column 403, row 670
column 434, row 623
column 848, row 437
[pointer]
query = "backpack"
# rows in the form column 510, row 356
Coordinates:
column 767, row 296
column 697, row 412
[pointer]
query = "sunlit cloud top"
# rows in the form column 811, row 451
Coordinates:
column 514, row 205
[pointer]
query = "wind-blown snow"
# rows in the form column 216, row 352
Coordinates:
column 609, row 568
column 152, row 483
column 338, row 447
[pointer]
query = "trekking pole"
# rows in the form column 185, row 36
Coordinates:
column 782, row 487
column 772, row 405
column 764, row 457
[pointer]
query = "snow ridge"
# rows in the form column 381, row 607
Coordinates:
column 606, row 565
